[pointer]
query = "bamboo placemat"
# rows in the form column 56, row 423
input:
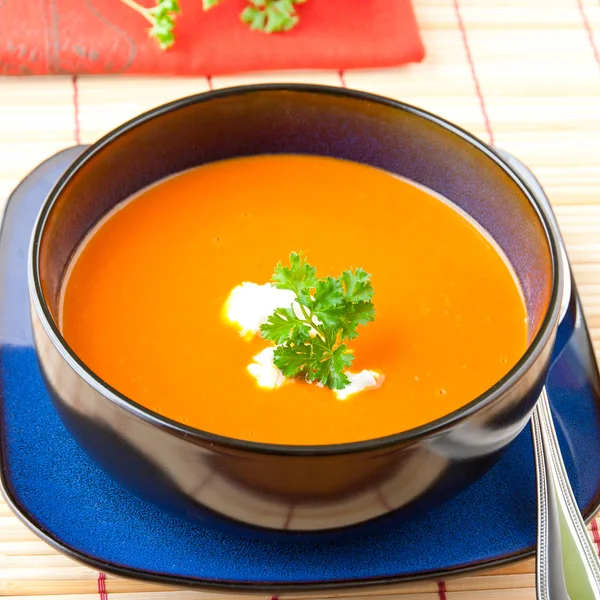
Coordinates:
column 524, row 74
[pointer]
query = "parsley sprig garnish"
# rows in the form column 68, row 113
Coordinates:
column 310, row 334
column 270, row 16
column 162, row 18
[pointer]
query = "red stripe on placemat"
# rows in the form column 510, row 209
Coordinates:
column 596, row 535
column 102, row 586
column 465, row 39
column 590, row 31
column 342, row 79
column 76, row 127
column 442, row 590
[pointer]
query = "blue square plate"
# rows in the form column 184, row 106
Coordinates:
column 69, row 502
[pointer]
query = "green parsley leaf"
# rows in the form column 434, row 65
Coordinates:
column 162, row 16
column 330, row 364
column 293, row 360
column 331, row 317
column 271, row 16
column 284, row 325
column 357, row 287
column 254, row 17
column 358, row 313
column 299, row 277
column 328, row 292
column 331, row 309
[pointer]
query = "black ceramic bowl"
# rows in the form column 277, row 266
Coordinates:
column 234, row 483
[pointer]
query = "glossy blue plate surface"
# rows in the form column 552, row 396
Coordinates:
column 61, row 494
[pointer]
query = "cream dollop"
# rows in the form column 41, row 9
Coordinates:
column 365, row 380
column 249, row 305
column 265, row 372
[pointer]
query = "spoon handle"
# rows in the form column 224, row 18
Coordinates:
column 568, row 567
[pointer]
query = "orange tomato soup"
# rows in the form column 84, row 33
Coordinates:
column 142, row 302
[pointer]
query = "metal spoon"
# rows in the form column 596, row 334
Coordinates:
column 568, row 567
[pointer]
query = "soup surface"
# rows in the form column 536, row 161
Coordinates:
column 143, row 299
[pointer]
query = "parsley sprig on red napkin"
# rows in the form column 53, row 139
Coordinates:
column 269, row 16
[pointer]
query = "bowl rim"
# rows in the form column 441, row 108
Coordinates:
column 533, row 351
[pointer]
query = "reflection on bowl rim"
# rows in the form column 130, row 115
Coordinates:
column 191, row 433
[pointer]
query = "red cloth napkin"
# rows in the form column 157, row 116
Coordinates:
column 40, row 37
